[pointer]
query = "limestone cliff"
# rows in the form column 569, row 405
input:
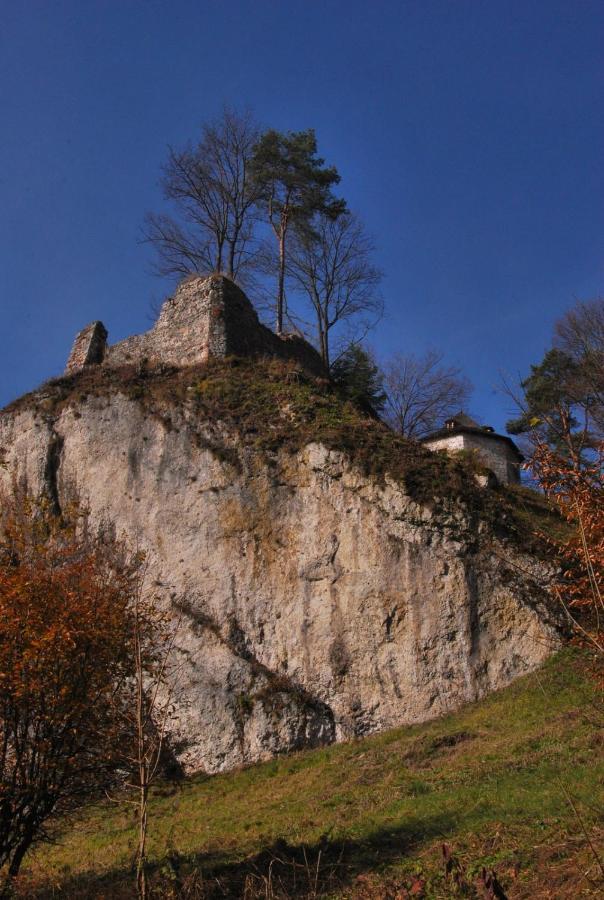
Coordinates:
column 333, row 580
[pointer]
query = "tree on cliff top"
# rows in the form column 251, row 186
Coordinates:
column 422, row 392
column 359, row 379
column 294, row 186
column 580, row 334
column 66, row 670
column 561, row 402
column 215, row 199
column 331, row 265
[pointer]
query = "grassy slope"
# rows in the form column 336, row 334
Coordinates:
column 487, row 779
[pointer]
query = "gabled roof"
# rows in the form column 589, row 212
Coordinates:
column 464, row 424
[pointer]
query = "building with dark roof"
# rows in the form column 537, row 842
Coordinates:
column 497, row 452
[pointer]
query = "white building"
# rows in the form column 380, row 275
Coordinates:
column 495, row 451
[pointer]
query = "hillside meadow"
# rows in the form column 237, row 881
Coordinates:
column 513, row 783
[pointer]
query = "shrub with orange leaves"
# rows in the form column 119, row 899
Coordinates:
column 66, row 668
column 578, row 491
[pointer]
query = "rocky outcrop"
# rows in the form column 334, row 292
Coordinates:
column 317, row 603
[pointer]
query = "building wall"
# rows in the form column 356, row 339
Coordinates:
column 453, row 443
column 495, row 454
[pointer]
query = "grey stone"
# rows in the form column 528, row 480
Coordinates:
column 88, row 349
column 316, row 604
column 207, row 318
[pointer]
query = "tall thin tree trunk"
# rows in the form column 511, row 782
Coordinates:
column 325, row 346
column 231, row 270
column 281, row 289
column 142, row 762
column 322, row 328
column 141, row 875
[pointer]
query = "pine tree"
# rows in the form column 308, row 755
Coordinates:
column 294, row 185
column 360, row 379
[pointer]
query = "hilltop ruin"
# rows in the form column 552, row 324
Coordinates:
column 207, row 318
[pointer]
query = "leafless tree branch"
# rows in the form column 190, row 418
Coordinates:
column 422, row 391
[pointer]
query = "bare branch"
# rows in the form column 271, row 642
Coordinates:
column 214, row 198
column 330, row 265
column 423, row 391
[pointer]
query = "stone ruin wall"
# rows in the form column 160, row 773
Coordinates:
column 180, row 337
column 89, row 347
column 206, row 318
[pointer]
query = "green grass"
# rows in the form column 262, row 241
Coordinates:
column 490, row 780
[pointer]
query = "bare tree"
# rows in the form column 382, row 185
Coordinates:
column 215, row 199
column 148, row 717
column 580, row 335
column 331, row 266
column 422, row 391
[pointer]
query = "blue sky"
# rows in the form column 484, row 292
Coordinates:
column 469, row 137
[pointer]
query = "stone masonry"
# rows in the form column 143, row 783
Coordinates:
column 207, row 318
column 89, row 347
column 496, row 451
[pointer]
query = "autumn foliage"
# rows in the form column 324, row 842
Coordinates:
column 578, row 491
column 66, row 666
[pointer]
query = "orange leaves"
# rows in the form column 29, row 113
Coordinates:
column 66, row 666
column 578, row 490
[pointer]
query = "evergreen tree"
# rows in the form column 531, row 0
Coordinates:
column 557, row 403
column 294, row 185
column 360, row 379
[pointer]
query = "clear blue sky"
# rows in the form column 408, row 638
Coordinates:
column 469, row 137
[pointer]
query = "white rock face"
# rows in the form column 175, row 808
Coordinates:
column 318, row 606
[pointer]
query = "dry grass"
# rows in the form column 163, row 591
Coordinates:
column 275, row 409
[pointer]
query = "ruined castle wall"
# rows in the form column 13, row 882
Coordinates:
column 209, row 318
column 246, row 336
column 89, row 347
column 180, row 336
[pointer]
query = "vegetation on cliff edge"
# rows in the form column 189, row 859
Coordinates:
column 274, row 406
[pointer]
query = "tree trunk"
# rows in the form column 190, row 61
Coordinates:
column 14, row 866
column 281, row 288
column 324, row 339
column 231, row 270
column 322, row 328
column 141, row 875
